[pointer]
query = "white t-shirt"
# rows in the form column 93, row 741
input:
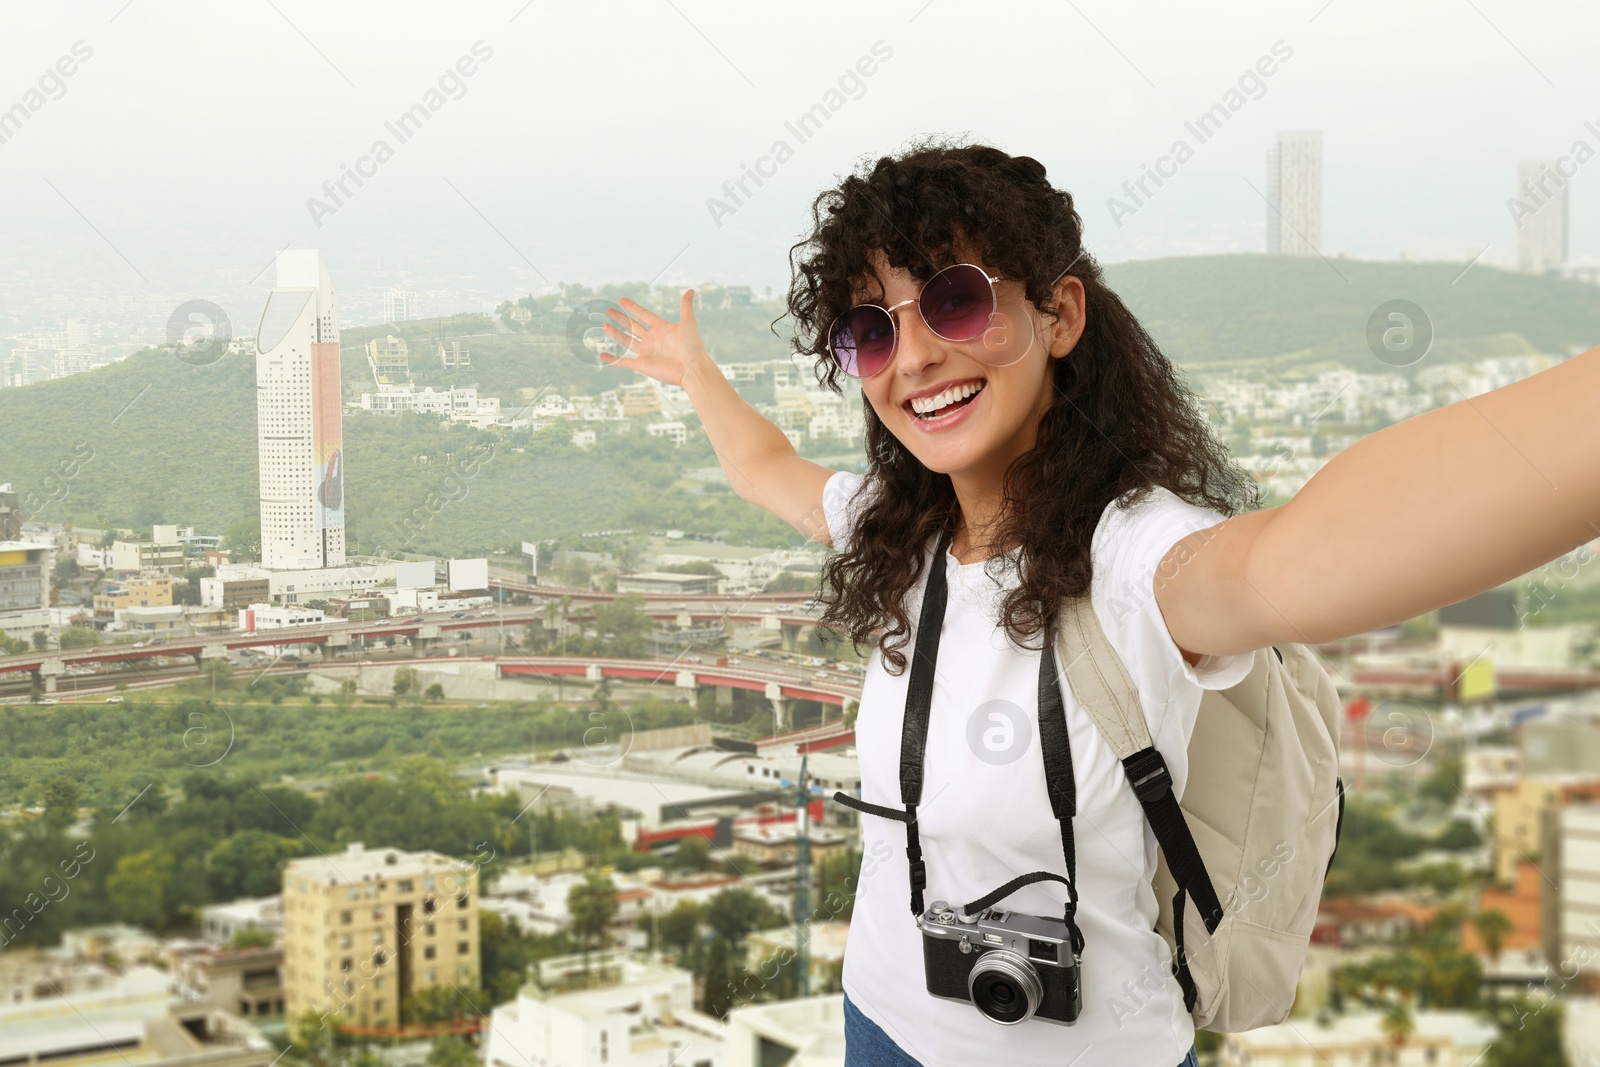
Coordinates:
column 985, row 817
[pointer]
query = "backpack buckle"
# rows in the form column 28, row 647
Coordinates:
column 1147, row 773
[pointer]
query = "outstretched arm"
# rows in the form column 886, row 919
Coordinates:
column 1424, row 513
column 761, row 465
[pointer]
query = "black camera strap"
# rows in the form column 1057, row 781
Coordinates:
column 1053, row 744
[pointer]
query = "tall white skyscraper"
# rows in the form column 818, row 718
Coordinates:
column 299, row 433
column 1540, row 212
column 399, row 305
column 1294, row 194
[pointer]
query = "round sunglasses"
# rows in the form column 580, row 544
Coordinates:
column 958, row 303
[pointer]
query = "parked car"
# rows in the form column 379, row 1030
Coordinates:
column 48, row 700
column 459, row 615
column 113, row 700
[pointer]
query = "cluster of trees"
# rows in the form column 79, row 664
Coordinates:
column 156, row 860
column 254, row 731
column 709, row 940
column 1372, row 846
column 1433, row 972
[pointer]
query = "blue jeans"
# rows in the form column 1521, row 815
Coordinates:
column 866, row 1045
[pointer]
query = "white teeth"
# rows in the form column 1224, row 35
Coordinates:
column 923, row 405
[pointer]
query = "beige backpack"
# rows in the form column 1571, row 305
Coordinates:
column 1254, row 835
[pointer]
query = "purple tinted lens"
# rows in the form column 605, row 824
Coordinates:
column 958, row 302
column 863, row 340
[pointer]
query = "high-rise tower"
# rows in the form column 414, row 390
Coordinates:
column 299, row 433
column 1294, row 194
column 1541, row 209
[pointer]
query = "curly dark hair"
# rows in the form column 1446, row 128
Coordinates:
column 1121, row 421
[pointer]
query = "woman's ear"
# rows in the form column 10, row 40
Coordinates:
column 1067, row 326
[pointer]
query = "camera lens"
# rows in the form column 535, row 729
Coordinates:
column 1005, row 987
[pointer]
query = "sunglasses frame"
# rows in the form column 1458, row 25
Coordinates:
column 894, row 320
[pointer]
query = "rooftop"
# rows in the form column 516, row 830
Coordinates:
column 357, row 863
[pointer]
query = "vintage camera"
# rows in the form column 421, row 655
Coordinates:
column 1011, row 967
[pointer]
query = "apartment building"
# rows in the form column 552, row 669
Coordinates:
column 364, row 929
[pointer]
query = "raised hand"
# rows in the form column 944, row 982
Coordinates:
column 661, row 349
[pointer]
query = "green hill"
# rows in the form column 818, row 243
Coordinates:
column 176, row 443
column 1210, row 310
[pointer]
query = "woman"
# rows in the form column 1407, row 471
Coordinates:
column 1065, row 458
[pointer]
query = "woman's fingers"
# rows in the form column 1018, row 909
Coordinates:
column 642, row 313
column 622, row 321
column 627, row 340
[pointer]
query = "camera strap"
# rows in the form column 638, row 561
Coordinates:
column 1053, row 744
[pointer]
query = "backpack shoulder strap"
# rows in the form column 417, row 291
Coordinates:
column 1106, row 692
column 1100, row 681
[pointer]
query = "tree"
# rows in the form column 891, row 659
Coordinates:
column 61, row 795
column 242, row 539
column 624, row 619
column 1458, row 836
column 434, row 692
column 1492, row 925
column 1443, row 783
column 405, row 680
column 718, row 980
column 790, row 582
column 66, row 570
column 695, row 566
column 249, row 864
column 138, row 887
column 836, row 883
column 253, row 937
column 41, row 640
column 79, row 637
column 734, row 913
column 592, row 904
column 1398, row 1025
column 679, row 929
column 444, row 1003
column 1530, row 1035
column 450, row 1051
column 692, row 854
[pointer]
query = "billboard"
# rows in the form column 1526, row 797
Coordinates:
column 468, row 574
column 414, row 575
column 327, row 436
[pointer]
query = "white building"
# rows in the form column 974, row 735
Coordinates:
column 133, row 1019
column 399, row 305
column 646, row 1018
column 538, row 903
column 460, row 403
column 1578, row 876
column 1440, row 1039
column 24, row 587
column 219, row 922
column 259, row 617
column 673, row 429
column 1294, row 194
column 1541, row 211
column 298, row 412
column 796, row 1033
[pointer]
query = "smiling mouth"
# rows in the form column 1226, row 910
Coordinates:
column 949, row 408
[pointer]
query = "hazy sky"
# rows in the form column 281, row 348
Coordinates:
column 182, row 152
